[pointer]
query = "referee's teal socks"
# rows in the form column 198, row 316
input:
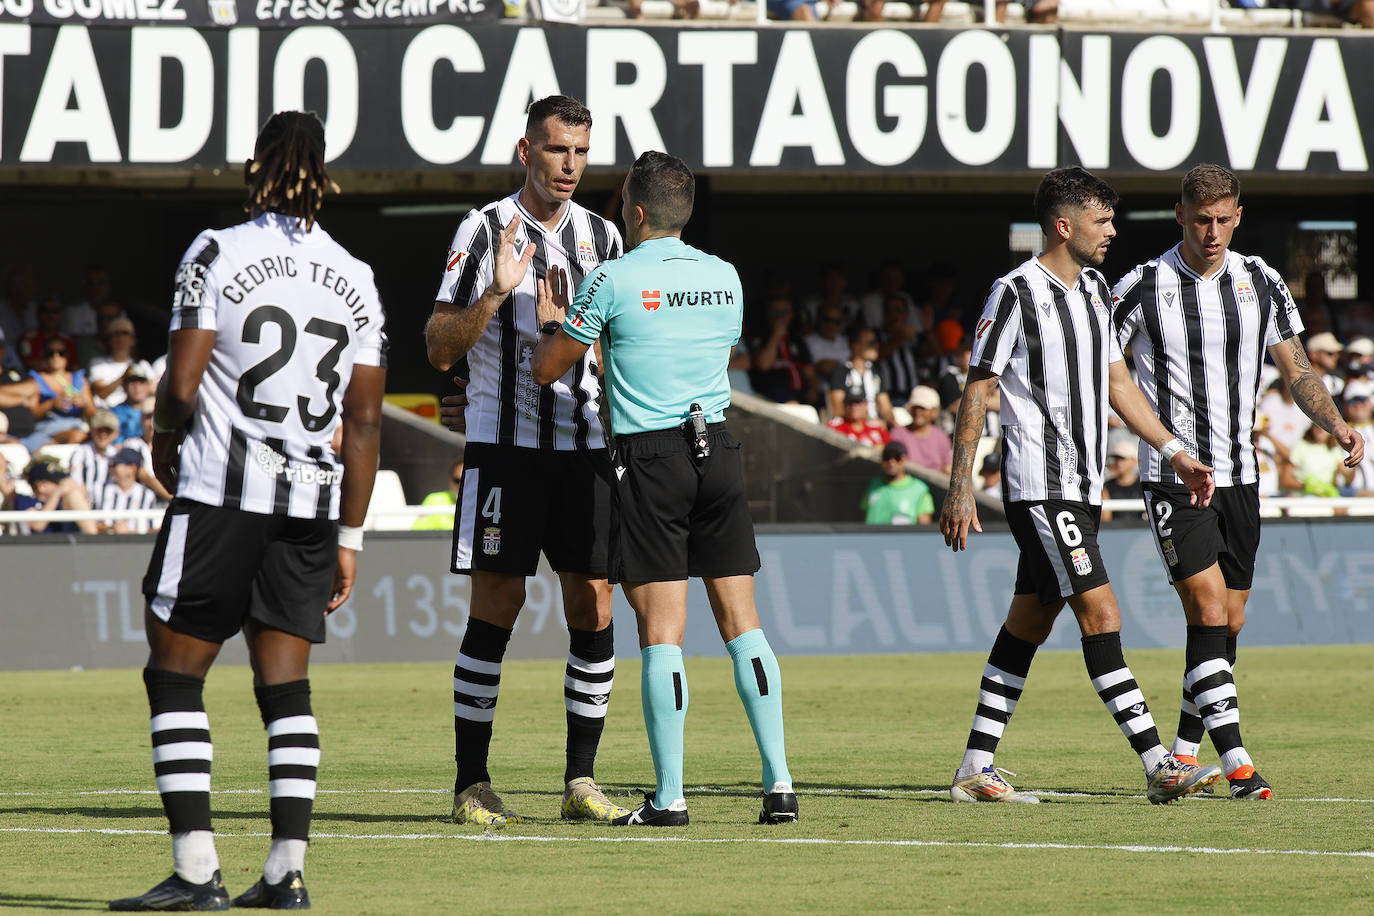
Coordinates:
column 759, row 682
column 663, row 691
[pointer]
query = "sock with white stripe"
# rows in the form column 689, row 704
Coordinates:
column 181, row 762
column 1117, row 687
column 758, row 681
column 1213, row 684
column 1190, row 725
column 293, row 760
column 663, row 692
column 1004, row 677
column 476, row 682
column 587, row 686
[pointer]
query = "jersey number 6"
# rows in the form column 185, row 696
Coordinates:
column 324, row 370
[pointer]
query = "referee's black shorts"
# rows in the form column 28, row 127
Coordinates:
column 1190, row 538
column 673, row 517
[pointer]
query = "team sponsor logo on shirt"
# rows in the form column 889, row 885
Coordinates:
column 275, row 464
column 696, row 297
column 983, row 325
column 1082, row 563
column 576, row 320
column 652, row 299
column 454, row 259
column 491, row 541
column 190, row 285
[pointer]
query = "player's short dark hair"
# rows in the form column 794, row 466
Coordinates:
column 1207, row 183
column 286, row 174
column 562, row 108
column 1071, row 187
column 664, row 187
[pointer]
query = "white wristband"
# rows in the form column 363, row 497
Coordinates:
column 352, row 538
column 1168, row 450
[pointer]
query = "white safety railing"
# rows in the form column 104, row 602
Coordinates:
column 410, row 513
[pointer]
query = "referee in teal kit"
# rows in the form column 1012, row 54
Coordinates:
column 668, row 317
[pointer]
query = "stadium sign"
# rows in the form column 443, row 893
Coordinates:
column 774, row 99
column 225, row 13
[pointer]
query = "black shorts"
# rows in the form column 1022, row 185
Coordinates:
column 1191, row 539
column 1058, row 542
column 675, row 517
column 214, row 568
column 515, row 502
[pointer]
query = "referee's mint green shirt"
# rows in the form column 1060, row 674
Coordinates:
column 669, row 317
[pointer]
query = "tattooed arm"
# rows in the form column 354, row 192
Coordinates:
column 1131, row 406
column 959, row 512
column 1310, row 394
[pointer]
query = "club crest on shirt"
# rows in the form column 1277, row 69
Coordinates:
column 1098, row 304
column 1082, row 563
column 586, row 254
column 491, row 541
column 1245, row 292
column 1170, row 554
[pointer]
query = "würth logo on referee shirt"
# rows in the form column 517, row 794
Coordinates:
column 652, row 299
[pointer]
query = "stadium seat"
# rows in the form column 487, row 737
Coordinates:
column 986, row 446
column 62, row 452
column 387, row 493
column 801, row 412
column 422, row 404
column 15, row 455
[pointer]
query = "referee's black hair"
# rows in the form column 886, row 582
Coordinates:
column 1071, row 187
column 562, row 108
column 286, row 174
column 664, row 187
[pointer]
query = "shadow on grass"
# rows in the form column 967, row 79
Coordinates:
column 46, row 902
column 868, row 791
column 143, row 812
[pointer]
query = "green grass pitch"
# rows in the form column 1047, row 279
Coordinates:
column 872, row 743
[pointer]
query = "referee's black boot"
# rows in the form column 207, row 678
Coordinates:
column 779, row 806
column 176, row 893
column 646, row 815
column 287, row 894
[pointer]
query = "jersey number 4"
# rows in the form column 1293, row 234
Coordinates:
column 324, row 370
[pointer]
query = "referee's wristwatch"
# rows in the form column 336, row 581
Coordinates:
column 550, row 327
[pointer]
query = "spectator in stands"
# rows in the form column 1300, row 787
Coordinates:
column 1317, row 311
column 1037, row 11
column 991, row 472
column 1324, row 351
column 138, row 387
column 950, row 385
column 1359, row 359
column 801, row 10
column 897, row 498
column 90, row 461
column 904, row 358
column 1315, row 466
column 33, row 344
column 1359, row 415
column 8, row 493
column 891, row 282
column 926, row 444
column 1280, row 418
column 854, row 422
column 52, row 490
column 109, row 371
column 860, row 373
column 81, row 316
column 682, row 9
column 64, row 399
column 827, row 344
column 19, row 303
column 940, row 284
column 123, row 491
column 1122, row 480
column 445, row 497
column 740, row 364
column 18, row 396
column 782, row 364
column 1358, row 12
column 834, row 291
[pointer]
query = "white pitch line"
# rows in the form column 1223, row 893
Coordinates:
column 690, row 790
column 725, row 841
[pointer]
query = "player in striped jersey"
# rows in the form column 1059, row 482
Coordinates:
column 1199, row 320
column 276, row 335
column 517, row 432
column 1045, row 340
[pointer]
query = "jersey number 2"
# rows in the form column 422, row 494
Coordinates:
column 324, row 370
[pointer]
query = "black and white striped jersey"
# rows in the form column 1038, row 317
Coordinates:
column 292, row 313
column 91, row 467
column 1051, row 346
column 505, row 406
column 136, row 497
column 1198, row 346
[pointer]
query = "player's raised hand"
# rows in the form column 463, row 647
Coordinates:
column 507, row 271
column 958, row 515
column 1197, row 477
column 552, row 303
column 453, row 408
column 1352, row 442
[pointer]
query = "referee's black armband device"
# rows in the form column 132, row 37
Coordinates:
column 700, row 446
